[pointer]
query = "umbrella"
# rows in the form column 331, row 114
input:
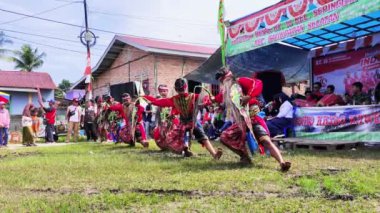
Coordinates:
column 75, row 93
column 2, row 99
column 5, row 96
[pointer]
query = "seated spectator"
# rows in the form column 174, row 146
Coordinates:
column 330, row 99
column 284, row 118
column 311, row 100
column 317, row 90
column 377, row 94
column 347, row 98
column 358, row 96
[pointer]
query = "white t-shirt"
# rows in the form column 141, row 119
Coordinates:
column 26, row 121
column 78, row 113
column 286, row 110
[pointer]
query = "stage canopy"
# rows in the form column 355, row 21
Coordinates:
column 292, row 62
column 252, row 41
column 306, row 24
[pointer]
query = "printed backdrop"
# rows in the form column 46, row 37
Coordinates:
column 342, row 70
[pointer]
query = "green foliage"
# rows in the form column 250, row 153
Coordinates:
column 28, row 59
column 65, row 85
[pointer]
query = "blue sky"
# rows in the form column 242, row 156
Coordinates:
column 175, row 20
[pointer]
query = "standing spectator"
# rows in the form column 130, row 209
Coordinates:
column 50, row 115
column 27, row 122
column 358, row 96
column 148, row 115
column 5, row 121
column 89, row 120
column 317, row 90
column 73, row 115
column 284, row 117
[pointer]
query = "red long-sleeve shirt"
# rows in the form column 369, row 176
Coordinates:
column 120, row 108
column 250, row 86
column 183, row 104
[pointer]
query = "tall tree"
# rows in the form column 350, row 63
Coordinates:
column 28, row 59
column 63, row 87
column 3, row 41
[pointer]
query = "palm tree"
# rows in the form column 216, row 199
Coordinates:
column 28, row 59
column 3, row 41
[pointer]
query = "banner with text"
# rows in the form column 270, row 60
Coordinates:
column 287, row 20
column 358, row 123
column 344, row 69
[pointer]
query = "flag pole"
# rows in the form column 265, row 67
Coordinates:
column 221, row 29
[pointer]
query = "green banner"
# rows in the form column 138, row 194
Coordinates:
column 284, row 21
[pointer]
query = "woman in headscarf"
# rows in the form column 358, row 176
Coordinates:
column 27, row 122
column 284, row 117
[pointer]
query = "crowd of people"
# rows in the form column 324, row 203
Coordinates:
column 355, row 95
column 173, row 122
column 237, row 116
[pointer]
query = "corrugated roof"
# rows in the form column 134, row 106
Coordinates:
column 18, row 79
column 157, row 45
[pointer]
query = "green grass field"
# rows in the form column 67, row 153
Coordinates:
column 116, row 178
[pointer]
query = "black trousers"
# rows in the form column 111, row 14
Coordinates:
column 90, row 129
column 49, row 130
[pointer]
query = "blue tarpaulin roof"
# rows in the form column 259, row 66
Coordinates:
column 351, row 29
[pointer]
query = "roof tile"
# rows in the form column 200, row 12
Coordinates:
column 18, row 79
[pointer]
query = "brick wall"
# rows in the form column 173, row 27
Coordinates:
column 169, row 68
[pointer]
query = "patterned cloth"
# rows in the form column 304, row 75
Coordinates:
column 175, row 137
column 235, row 139
column 125, row 134
column 160, row 135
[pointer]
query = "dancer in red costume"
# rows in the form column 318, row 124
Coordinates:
column 133, row 130
column 102, row 118
column 235, row 136
column 165, row 123
column 184, row 103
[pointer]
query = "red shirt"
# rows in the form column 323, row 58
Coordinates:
column 140, row 112
column 251, row 87
column 182, row 104
column 50, row 115
column 120, row 109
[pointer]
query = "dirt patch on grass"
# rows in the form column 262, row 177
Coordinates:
column 19, row 154
column 333, row 171
column 198, row 193
column 87, row 192
column 342, row 197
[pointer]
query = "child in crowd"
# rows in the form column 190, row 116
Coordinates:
column 36, row 123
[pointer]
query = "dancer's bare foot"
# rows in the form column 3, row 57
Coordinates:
column 245, row 160
column 187, row 152
column 145, row 144
column 285, row 166
column 218, row 154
